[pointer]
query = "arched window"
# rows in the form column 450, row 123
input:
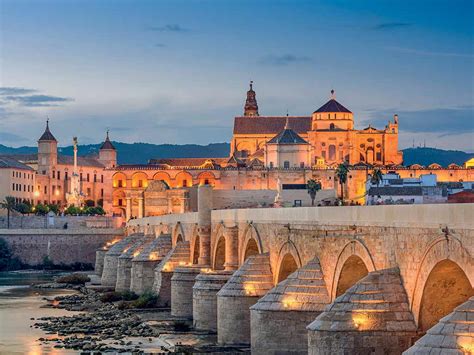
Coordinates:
column 332, row 126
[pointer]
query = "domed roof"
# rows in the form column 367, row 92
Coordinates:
column 332, row 106
column 287, row 136
column 47, row 135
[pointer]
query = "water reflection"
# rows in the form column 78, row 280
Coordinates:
column 18, row 304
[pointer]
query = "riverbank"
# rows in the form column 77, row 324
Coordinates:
column 20, row 306
column 56, row 321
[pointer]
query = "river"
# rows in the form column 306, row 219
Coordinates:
column 18, row 304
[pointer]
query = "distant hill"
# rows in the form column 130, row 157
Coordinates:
column 427, row 156
column 141, row 153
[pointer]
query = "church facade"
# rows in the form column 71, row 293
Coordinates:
column 329, row 131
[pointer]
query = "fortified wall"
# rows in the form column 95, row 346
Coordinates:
column 321, row 280
column 61, row 246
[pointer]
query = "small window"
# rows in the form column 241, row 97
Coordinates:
column 271, row 165
column 65, row 175
column 332, row 126
column 286, row 164
column 59, row 175
column 120, row 202
column 302, row 164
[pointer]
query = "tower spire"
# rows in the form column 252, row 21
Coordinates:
column 251, row 106
column 333, row 95
column 287, row 123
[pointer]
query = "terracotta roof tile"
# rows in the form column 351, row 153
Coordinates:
column 271, row 124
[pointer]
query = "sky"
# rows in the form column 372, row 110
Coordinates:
column 177, row 71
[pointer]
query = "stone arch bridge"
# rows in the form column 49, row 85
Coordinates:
column 323, row 280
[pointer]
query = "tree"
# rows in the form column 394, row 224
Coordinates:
column 41, row 209
column 313, row 187
column 9, row 204
column 341, row 174
column 376, row 177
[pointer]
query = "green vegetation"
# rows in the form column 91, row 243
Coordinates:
column 376, row 177
column 84, row 211
column 7, row 260
column 341, row 174
column 313, row 187
column 73, row 279
column 9, row 204
column 118, row 296
column 147, row 300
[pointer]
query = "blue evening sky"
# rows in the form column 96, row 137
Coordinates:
column 177, row 71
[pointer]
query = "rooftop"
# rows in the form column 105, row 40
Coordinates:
column 7, row 162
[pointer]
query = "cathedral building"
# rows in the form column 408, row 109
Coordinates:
column 329, row 131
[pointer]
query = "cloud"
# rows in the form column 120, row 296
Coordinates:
column 284, row 59
column 443, row 121
column 388, row 26
column 429, row 53
column 15, row 91
column 160, row 45
column 38, row 100
column 168, row 28
column 11, row 137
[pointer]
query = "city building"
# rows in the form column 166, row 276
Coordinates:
column 392, row 189
column 16, row 180
column 53, row 173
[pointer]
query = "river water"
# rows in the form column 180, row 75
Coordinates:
column 18, row 304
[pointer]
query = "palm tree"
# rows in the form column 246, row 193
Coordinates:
column 341, row 174
column 313, row 187
column 9, row 204
column 376, row 177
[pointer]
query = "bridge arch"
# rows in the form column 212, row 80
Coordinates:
column 178, row 234
column 444, row 280
column 218, row 248
column 353, row 262
column 195, row 246
column 251, row 245
column 289, row 261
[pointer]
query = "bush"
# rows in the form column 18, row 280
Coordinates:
column 73, row 279
column 72, row 210
column 23, row 208
column 53, row 208
column 5, row 254
column 47, row 263
column 118, row 296
column 147, row 300
column 41, row 209
column 111, row 296
column 129, row 296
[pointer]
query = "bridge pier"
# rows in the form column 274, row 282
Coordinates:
column 109, row 272
column 205, row 299
column 250, row 282
column 99, row 261
column 143, row 265
column 124, row 265
column 231, row 235
column 179, row 255
column 279, row 319
column 454, row 334
column 373, row 316
column 182, row 283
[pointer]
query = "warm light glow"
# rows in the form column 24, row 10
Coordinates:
column 153, row 256
column 136, row 253
column 361, row 320
column 289, row 302
column 37, row 193
column 206, row 270
column 182, row 263
column 466, row 344
column 166, row 267
column 249, row 289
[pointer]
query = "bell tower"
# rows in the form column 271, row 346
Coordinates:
column 108, row 153
column 251, row 106
column 47, row 152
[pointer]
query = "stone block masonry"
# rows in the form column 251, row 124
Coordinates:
column 182, row 284
column 61, row 246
